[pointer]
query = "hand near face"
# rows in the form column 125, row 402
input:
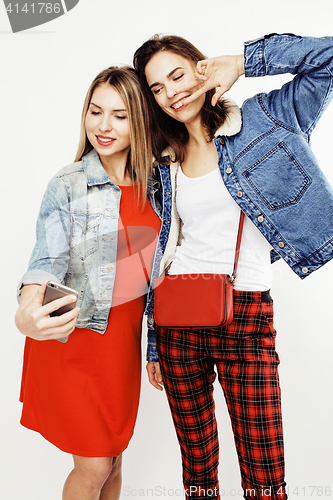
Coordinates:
column 218, row 73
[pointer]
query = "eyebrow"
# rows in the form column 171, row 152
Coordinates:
column 169, row 75
column 114, row 110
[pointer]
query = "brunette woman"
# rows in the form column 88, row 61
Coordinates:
column 96, row 234
column 214, row 161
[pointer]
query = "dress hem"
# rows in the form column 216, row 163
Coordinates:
column 78, row 453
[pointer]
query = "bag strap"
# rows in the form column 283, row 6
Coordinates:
column 239, row 239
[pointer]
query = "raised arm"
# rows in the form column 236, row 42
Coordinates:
column 299, row 102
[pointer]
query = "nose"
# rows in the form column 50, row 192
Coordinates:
column 171, row 91
column 105, row 124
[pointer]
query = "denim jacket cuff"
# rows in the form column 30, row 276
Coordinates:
column 151, row 348
column 254, row 58
column 34, row 277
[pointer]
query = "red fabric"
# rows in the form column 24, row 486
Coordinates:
column 247, row 366
column 83, row 395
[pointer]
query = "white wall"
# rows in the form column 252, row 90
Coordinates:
column 45, row 73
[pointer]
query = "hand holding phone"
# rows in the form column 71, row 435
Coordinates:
column 55, row 291
column 47, row 311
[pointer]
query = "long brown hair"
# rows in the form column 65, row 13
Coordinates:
column 168, row 132
column 139, row 162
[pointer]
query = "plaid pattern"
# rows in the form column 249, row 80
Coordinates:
column 247, row 366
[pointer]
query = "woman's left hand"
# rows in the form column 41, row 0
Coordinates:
column 218, row 73
column 154, row 375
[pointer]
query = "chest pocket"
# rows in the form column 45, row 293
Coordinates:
column 278, row 178
column 84, row 240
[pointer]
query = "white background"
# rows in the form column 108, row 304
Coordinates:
column 45, row 73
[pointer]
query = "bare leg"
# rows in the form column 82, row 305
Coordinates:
column 112, row 486
column 87, row 479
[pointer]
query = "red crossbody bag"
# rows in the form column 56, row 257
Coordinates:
column 196, row 300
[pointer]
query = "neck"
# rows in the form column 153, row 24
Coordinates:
column 115, row 167
column 197, row 134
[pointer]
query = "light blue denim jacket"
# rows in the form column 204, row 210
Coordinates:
column 76, row 238
column 268, row 167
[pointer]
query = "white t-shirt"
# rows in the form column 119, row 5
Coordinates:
column 211, row 218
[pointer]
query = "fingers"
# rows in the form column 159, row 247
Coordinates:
column 154, row 375
column 158, row 374
column 218, row 94
column 58, row 303
column 199, row 80
column 39, row 295
column 57, row 327
column 202, row 66
column 202, row 90
column 63, row 319
column 61, row 331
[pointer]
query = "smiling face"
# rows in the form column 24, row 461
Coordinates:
column 106, row 123
column 165, row 73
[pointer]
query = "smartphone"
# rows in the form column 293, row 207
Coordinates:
column 55, row 291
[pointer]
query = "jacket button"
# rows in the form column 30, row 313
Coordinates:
column 305, row 270
column 229, row 170
column 261, row 218
column 221, row 141
column 281, row 244
column 240, row 194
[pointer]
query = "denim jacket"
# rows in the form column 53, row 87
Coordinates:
column 268, row 166
column 77, row 230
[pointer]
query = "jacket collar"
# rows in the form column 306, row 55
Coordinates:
column 96, row 174
column 94, row 169
column 233, row 122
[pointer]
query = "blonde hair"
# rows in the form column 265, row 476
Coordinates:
column 139, row 162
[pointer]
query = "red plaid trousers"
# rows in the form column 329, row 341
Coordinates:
column 247, row 366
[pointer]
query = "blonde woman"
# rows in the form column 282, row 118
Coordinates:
column 95, row 234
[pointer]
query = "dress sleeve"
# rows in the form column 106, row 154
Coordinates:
column 300, row 102
column 50, row 256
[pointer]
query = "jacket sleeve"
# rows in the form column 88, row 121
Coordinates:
column 151, row 343
column 50, row 256
column 300, row 102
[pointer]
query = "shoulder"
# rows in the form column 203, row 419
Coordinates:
column 69, row 170
column 60, row 187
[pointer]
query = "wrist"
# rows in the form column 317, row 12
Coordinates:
column 240, row 64
column 18, row 320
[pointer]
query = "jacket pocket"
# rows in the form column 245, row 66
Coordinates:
column 84, row 239
column 278, row 178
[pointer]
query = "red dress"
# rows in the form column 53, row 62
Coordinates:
column 83, row 395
